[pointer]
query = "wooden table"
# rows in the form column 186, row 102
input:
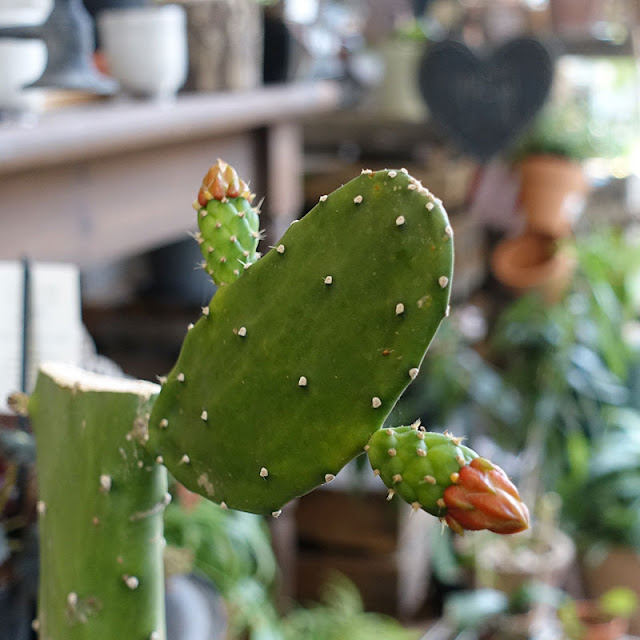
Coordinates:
column 96, row 183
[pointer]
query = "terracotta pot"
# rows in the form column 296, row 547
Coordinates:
column 552, row 193
column 620, row 567
column 598, row 625
column 531, row 262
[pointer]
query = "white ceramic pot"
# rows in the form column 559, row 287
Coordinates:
column 146, row 48
column 23, row 13
column 21, row 63
column 398, row 95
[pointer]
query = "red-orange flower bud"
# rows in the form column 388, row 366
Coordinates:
column 484, row 498
column 220, row 182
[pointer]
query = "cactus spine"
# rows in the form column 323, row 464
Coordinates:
column 296, row 363
column 100, row 511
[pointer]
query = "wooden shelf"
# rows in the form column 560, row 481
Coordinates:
column 117, row 126
column 108, row 180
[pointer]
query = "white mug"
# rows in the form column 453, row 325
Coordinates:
column 146, row 48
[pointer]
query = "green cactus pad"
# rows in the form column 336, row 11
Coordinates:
column 293, row 366
column 417, row 464
column 229, row 234
column 100, row 510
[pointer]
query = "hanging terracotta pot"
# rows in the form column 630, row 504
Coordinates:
column 552, row 193
column 531, row 262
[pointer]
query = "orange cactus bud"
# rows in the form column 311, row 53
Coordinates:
column 484, row 498
column 220, row 182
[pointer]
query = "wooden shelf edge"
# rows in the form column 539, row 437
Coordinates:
column 113, row 127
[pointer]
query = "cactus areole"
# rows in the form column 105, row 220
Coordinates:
column 297, row 362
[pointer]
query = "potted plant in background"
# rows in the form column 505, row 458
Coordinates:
column 398, row 95
column 548, row 159
column 559, row 384
column 532, row 262
column 603, row 458
column 577, row 363
column 570, row 361
column 607, row 524
column 490, row 614
column 603, row 618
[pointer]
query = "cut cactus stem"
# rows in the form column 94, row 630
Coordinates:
column 447, row 479
column 101, row 507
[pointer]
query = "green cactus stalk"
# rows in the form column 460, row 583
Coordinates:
column 437, row 473
column 296, row 363
column 229, row 225
column 100, row 511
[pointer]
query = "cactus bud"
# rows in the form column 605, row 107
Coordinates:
column 484, row 498
column 437, row 473
column 222, row 181
column 229, row 226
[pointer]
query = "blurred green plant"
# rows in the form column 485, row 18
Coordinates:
column 487, row 610
column 619, row 602
column 341, row 616
column 18, row 532
column 557, row 131
column 555, row 383
column 233, row 550
column 570, row 361
column 601, row 490
column 575, row 370
column 412, row 29
column 567, row 129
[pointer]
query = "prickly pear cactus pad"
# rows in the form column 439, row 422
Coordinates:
column 296, row 363
column 229, row 225
column 437, row 473
column 100, row 510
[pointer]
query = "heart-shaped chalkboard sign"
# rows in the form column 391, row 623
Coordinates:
column 484, row 102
